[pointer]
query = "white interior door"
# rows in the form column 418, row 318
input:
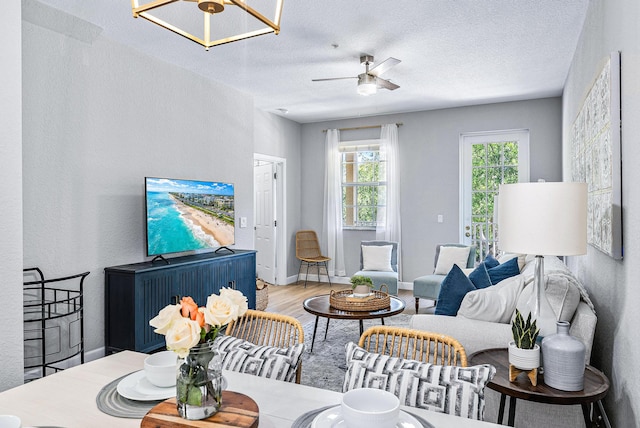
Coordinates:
column 488, row 159
column 265, row 222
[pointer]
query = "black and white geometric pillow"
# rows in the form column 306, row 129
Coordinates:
column 260, row 360
column 447, row 389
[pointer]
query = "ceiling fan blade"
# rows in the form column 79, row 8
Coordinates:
column 332, row 78
column 383, row 83
column 384, row 66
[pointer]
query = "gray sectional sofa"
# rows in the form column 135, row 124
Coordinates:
column 567, row 297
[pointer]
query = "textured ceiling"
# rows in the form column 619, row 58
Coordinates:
column 453, row 52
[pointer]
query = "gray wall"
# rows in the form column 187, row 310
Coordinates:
column 612, row 25
column 279, row 137
column 11, row 191
column 98, row 117
column 429, row 159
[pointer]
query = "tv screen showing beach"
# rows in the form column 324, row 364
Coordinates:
column 187, row 215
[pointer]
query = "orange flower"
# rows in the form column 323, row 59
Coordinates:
column 199, row 318
column 189, row 308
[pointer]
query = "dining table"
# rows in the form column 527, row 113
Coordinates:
column 67, row 399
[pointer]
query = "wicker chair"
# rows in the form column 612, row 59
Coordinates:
column 308, row 251
column 266, row 328
column 418, row 345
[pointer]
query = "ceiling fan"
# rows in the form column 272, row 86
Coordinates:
column 369, row 81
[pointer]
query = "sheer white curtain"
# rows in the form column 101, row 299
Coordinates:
column 332, row 213
column 388, row 221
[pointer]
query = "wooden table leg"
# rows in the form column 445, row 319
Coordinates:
column 382, row 320
column 361, row 328
column 503, row 399
column 512, row 412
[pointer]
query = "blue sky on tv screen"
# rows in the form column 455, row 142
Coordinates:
column 188, row 186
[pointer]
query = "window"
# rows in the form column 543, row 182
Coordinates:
column 363, row 185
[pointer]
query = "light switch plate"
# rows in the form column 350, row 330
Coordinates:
column 243, row 222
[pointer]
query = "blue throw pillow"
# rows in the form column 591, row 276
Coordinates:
column 490, row 261
column 480, row 276
column 453, row 289
column 505, row 270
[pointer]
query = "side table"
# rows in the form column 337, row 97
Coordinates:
column 596, row 386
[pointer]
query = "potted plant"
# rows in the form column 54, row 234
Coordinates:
column 361, row 285
column 524, row 352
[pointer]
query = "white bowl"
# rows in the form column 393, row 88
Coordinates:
column 10, row 421
column 160, row 368
column 370, row 408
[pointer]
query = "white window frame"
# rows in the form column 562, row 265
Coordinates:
column 352, row 147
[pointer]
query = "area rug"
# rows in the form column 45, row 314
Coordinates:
column 326, row 365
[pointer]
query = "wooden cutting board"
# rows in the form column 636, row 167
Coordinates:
column 238, row 410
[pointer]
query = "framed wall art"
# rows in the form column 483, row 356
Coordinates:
column 595, row 158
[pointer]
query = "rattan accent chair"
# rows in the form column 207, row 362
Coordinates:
column 417, row 345
column 267, row 328
column 308, row 252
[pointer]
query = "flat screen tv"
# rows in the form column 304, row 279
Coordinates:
column 188, row 215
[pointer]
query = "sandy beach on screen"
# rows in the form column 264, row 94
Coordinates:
column 220, row 231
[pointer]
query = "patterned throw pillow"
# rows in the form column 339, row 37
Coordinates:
column 446, row 389
column 271, row 362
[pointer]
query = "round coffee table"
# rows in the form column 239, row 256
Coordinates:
column 596, row 386
column 320, row 307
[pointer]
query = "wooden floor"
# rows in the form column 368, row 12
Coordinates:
column 287, row 299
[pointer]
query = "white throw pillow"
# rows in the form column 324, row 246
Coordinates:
column 562, row 295
column 494, row 304
column 450, row 256
column 377, row 257
column 508, row 256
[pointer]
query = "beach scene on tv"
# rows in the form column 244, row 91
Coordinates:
column 185, row 215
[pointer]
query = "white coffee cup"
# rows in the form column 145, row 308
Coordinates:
column 10, row 421
column 370, row 408
column 160, row 368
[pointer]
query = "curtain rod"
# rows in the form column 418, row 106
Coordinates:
column 362, row 127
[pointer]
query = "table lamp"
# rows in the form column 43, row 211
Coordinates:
column 543, row 219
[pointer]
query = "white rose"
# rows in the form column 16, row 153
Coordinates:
column 219, row 310
column 183, row 335
column 237, row 298
column 167, row 315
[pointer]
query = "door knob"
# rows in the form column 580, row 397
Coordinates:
column 467, row 234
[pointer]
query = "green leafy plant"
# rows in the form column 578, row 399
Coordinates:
column 524, row 333
column 361, row 280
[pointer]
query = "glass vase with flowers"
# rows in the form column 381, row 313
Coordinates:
column 190, row 332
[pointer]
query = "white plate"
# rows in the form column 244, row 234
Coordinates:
column 332, row 418
column 137, row 387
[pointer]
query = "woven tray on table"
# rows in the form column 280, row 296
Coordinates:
column 345, row 301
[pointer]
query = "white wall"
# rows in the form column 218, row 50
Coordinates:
column 429, row 176
column 98, row 117
column 612, row 25
column 11, row 191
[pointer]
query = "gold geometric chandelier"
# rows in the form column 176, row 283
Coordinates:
column 237, row 27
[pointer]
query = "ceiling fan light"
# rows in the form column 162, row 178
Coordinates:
column 367, row 84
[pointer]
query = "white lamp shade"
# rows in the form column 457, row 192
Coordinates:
column 543, row 218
